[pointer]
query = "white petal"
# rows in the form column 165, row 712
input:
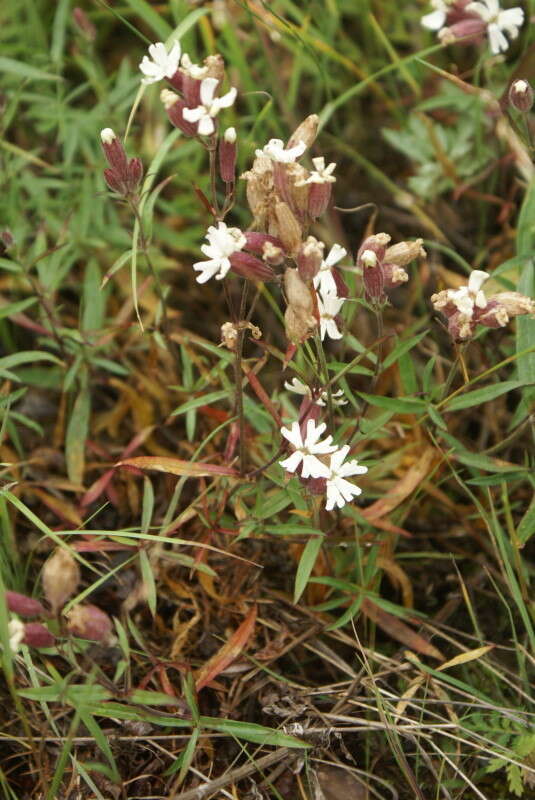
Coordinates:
column 477, row 279
column 332, row 330
column 497, row 40
column 206, row 126
column 338, row 457
column 314, row 468
column 324, row 282
column 227, row 99
column 194, row 114
column 335, row 254
column 297, row 386
column 207, row 269
column 293, row 435
column 434, row 21
column 208, row 87
column 291, row 463
column 511, row 21
column 483, row 9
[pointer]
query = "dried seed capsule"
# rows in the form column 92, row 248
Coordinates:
column 289, row 229
column 61, row 576
column 305, row 132
column 89, row 622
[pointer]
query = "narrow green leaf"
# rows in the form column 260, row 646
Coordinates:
column 148, row 504
column 203, row 400
column 25, row 71
column 76, row 435
column 401, row 348
column 16, row 308
column 148, row 579
column 526, row 526
column 400, row 405
column 479, row 396
column 151, row 17
column 306, row 565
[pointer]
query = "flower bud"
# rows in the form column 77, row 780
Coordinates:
column 515, row 303
column 6, row 237
column 289, row 229
column 494, row 315
column 89, row 622
column 521, row 96
column 114, row 152
column 272, row 254
column 250, row 267
column 403, row 253
column 305, row 132
column 174, row 106
column 298, row 189
column 84, row 24
column 23, row 605
column 309, row 258
column 135, row 173
column 36, row 635
column 370, row 260
column 461, row 326
column 191, row 89
column 229, row 335
column 227, row 156
column 61, row 576
column 215, row 67
column 465, row 31
column 256, row 241
column 319, row 197
column 393, row 276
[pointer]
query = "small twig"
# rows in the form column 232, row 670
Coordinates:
column 235, row 775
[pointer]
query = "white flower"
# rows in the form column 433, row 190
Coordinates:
column 16, row 632
column 467, row 297
column 210, row 106
column 193, row 70
column 321, row 173
column 306, row 451
column 274, row 150
column 161, row 64
column 436, row 19
column 340, row 491
column 222, row 243
column 298, row 387
column 329, row 306
column 498, row 22
column 324, row 280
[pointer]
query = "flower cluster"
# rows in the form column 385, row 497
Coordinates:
column 195, row 103
column 467, row 307
column 314, row 457
column 469, row 21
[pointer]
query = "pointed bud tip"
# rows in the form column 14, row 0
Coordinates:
column 230, row 135
column 107, row 136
